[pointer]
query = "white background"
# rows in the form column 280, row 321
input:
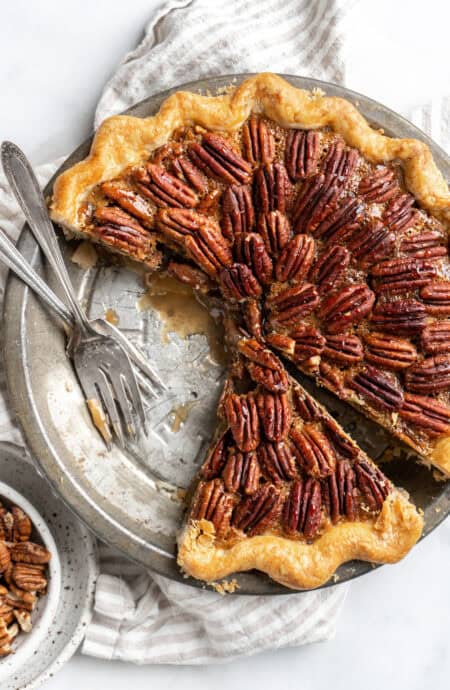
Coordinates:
column 55, row 56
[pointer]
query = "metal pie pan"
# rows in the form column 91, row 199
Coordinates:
column 132, row 500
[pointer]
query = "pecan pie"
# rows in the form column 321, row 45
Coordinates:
column 327, row 242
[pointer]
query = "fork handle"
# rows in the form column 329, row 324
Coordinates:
column 11, row 256
column 27, row 191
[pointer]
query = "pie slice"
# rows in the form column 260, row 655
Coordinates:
column 285, row 490
column 326, row 241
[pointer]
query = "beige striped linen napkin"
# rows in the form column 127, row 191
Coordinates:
column 139, row 616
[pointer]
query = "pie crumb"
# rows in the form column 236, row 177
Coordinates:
column 225, row 587
column 85, row 255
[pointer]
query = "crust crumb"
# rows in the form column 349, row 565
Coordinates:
column 85, row 255
column 225, row 587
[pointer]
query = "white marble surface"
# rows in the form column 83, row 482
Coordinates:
column 55, row 57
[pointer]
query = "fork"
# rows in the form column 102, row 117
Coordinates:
column 101, row 363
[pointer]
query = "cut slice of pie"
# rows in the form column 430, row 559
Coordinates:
column 326, row 240
column 285, row 490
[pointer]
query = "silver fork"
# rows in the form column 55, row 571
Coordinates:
column 101, row 363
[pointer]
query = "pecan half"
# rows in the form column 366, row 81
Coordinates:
column 241, row 413
column 282, row 343
column 208, row 249
column 343, row 348
column 219, row 160
column 296, row 259
column 251, row 250
column 189, row 275
column 402, row 317
column 238, row 215
column 216, row 458
column 378, row 186
column 214, row 504
column 303, row 508
column 275, row 415
column 399, row 275
column 5, row 558
column 272, row 188
column 253, row 317
column 28, row 552
column 340, row 222
column 263, row 366
column 292, row 303
column 429, row 376
column 315, row 202
column 371, row 243
column 128, row 199
column 30, row 578
column 305, row 405
column 121, row 229
column 340, row 161
column 309, row 342
column 373, row 485
column 389, row 352
column 331, row 377
column 347, row 307
column 330, row 268
column 185, row 170
column 277, row 461
column 238, row 282
column 164, row 189
column 399, row 213
column 339, row 492
column 258, row 143
column 22, row 526
column 426, row 413
column 342, row 443
column 435, row 338
column 377, row 388
column 316, row 455
column 241, row 472
column 275, row 229
column 256, row 512
column 427, row 244
column 301, row 153
column 436, row 296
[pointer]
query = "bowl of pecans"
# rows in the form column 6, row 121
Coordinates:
column 30, row 580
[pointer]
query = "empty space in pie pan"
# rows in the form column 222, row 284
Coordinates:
column 134, row 499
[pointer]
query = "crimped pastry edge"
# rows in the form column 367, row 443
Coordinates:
column 298, row 565
column 123, row 140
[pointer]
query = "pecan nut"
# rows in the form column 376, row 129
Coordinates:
column 316, row 454
column 426, row 413
column 187, row 274
column 275, row 229
column 238, row 215
column 258, row 143
column 165, row 190
column 185, row 170
column 238, row 282
column 435, row 338
column 212, row 503
column 399, row 275
column 402, row 317
column 275, row 415
column 241, row 473
column 241, row 413
column 373, row 485
column 208, row 249
column 309, row 342
column 399, row 213
column 5, row 557
column 282, row 343
column 278, row 461
column 389, row 352
column 28, row 552
column 347, row 307
column 29, row 578
column 377, row 388
column 254, row 513
column 330, row 268
column 128, row 200
column 215, row 157
column 424, row 245
column 292, row 303
column 343, row 348
column 251, row 250
column 436, row 296
column 429, row 376
column 331, row 378
column 316, row 201
column 303, row 508
column 340, row 222
column 342, row 443
column 263, row 366
column 22, row 526
column 296, row 259
column 339, row 492
column 379, row 186
column 272, row 188
column 253, row 318
column 305, row 405
column 340, row 161
column 120, row 229
column 216, row 458
column 371, row 243
column 301, row 153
